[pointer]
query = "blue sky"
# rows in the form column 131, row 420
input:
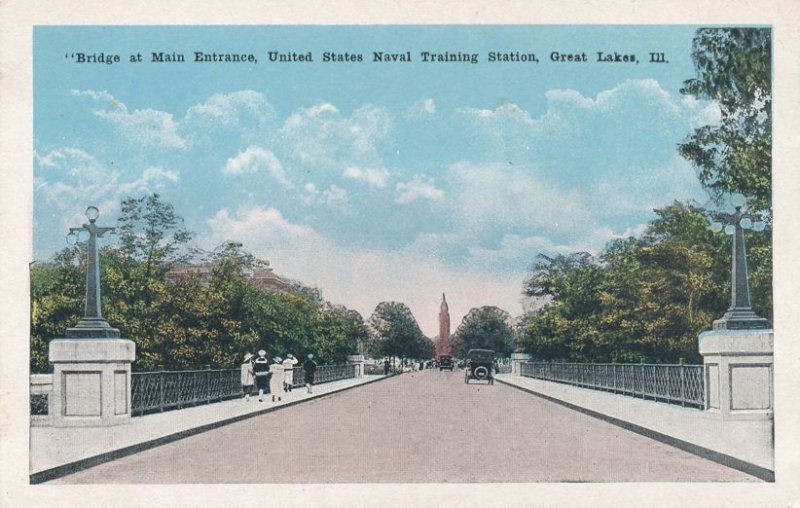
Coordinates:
column 373, row 181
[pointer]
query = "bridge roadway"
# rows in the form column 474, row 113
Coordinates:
column 422, row 427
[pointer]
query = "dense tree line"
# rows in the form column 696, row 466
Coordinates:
column 394, row 332
column 485, row 327
column 185, row 323
column 647, row 298
column 642, row 299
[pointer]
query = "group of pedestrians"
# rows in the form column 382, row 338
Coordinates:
column 276, row 376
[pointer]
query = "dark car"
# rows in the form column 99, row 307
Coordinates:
column 480, row 363
column 446, row 362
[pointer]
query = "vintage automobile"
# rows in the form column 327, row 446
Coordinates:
column 480, row 363
column 445, row 362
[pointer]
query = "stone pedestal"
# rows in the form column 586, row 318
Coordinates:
column 516, row 360
column 357, row 360
column 738, row 373
column 91, row 381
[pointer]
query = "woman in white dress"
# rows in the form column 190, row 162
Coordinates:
column 276, row 380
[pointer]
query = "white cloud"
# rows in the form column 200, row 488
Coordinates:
column 371, row 176
column 230, row 109
column 70, row 179
column 258, row 227
column 333, row 196
column 621, row 97
column 500, row 196
column 148, row 128
column 423, row 107
column 309, row 197
column 703, row 113
column 254, row 160
column 73, row 173
column 363, row 278
column 515, row 252
column 419, row 187
column 504, row 113
column 152, row 179
column 652, row 187
column 321, row 136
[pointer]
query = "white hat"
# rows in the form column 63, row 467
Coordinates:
column 289, row 355
column 262, row 353
column 310, row 355
column 277, row 359
column 248, row 356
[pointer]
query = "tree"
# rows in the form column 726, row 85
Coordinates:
column 192, row 321
column 486, row 327
column 151, row 232
column 57, row 296
column 338, row 332
column 234, row 251
column 733, row 69
column 152, row 240
column 395, row 331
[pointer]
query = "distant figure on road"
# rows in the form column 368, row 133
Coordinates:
column 310, row 368
column 261, row 373
column 386, row 367
column 288, row 372
column 276, row 382
column 247, row 376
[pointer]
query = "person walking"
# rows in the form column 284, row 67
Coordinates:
column 261, row 373
column 248, row 381
column 288, row 372
column 276, row 381
column 386, row 367
column 310, row 368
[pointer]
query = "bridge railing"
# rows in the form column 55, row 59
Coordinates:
column 325, row 374
column 160, row 391
column 674, row 384
column 165, row 390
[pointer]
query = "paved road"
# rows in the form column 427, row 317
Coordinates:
column 421, row 427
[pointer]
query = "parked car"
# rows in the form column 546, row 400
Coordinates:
column 480, row 363
column 446, row 362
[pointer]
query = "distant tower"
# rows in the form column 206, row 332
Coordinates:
column 443, row 346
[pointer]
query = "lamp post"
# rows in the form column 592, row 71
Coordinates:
column 740, row 315
column 92, row 364
column 92, row 325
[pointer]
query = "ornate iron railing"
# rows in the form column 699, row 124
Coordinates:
column 161, row 391
column 674, row 384
column 325, row 374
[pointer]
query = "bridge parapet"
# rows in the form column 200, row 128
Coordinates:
column 516, row 360
column 738, row 373
column 160, row 391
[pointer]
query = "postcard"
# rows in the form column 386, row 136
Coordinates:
column 398, row 260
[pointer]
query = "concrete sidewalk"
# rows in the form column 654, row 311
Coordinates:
column 743, row 445
column 55, row 452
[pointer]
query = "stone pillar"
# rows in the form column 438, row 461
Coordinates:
column 516, row 360
column 357, row 360
column 738, row 373
column 91, row 381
